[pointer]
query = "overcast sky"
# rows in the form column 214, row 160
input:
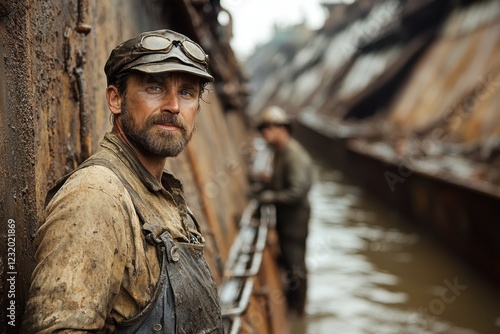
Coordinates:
column 253, row 20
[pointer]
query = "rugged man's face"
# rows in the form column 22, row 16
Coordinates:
column 159, row 111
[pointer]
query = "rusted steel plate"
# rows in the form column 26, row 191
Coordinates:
column 445, row 75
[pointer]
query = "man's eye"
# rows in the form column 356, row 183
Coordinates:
column 154, row 89
column 185, row 92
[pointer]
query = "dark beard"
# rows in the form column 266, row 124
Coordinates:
column 153, row 141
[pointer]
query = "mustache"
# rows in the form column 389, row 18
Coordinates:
column 167, row 119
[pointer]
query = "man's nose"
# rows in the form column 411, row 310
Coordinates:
column 171, row 103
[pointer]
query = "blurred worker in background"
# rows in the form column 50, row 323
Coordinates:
column 287, row 189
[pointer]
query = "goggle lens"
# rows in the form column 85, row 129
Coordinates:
column 194, row 51
column 155, row 43
column 161, row 43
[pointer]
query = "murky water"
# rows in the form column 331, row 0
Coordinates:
column 370, row 271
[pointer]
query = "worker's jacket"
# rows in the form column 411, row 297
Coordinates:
column 114, row 244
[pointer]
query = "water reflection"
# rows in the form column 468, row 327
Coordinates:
column 372, row 272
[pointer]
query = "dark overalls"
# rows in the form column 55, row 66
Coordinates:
column 185, row 300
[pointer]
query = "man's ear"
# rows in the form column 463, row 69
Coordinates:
column 114, row 100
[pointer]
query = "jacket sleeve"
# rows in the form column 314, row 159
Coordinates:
column 81, row 252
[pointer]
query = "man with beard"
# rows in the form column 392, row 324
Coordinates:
column 118, row 250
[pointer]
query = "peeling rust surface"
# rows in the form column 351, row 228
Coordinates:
column 83, row 25
column 85, row 140
column 17, row 154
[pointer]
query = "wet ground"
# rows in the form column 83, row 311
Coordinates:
column 371, row 271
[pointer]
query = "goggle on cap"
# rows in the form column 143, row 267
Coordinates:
column 158, row 51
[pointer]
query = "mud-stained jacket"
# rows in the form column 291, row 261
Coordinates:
column 94, row 266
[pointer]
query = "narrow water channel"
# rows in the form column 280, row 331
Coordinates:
column 371, row 271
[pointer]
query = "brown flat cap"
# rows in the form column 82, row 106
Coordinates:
column 158, row 51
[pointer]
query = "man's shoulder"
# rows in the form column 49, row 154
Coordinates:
column 90, row 192
column 297, row 151
column 100, row 181
column 97, row 176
